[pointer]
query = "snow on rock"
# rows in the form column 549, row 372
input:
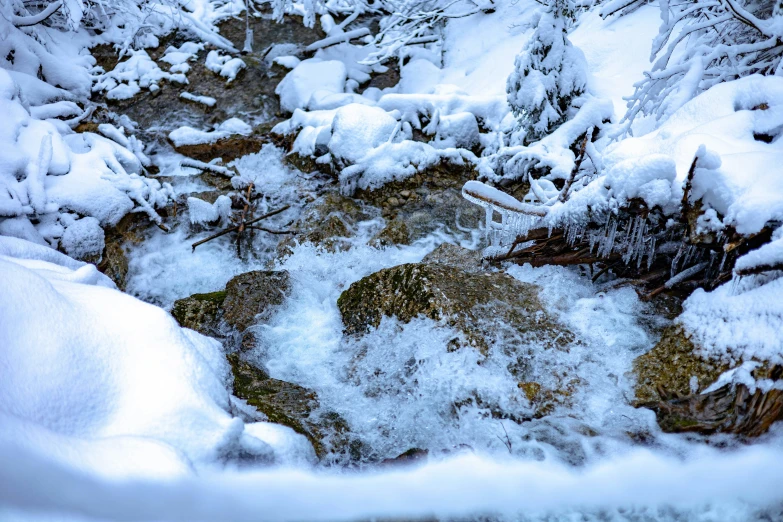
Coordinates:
column 106, row 383
column 457, row 130
column 189, row 136
column 224, row 65
column 289, row 62
column 358, row 128
column 179, row 57
column 737, row 322
column 203, row 213
column 203, row 100
column 138, row 72
column 83, row 238
column 311, row 77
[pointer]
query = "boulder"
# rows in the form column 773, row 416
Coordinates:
column 290, row 405
column 247, row 299
column 253, row 294
column 200, row 312
column 672, row 379
column 481, row 305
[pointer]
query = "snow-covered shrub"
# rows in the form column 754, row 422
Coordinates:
column 51, row 176
column 701, row 44
column 548, row 75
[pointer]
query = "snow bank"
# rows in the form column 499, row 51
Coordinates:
column 102, row 382
column 637, row 486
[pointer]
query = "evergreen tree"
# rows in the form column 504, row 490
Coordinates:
column 548, row 74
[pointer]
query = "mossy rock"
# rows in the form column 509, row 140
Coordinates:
column 481, row 305
column 394, row 233
column 252, row 294
column 669, row 367
column 470, row 261
column 290, row 405
column 200, row 312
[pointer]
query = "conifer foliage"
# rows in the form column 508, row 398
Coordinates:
column 547, row 76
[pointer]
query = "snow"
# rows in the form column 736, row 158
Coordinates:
column 189, row 136
column 310, row 78
column 204, row 100
column 224, row 65
column 202, row 213
column 138, row 72
column 83, row 238
column 93, row 390
column 623, row 488
column 650, row 178
column 289, row 62
column 179, row 56
column 743, row 186
column 358, row 128
column 739, row 322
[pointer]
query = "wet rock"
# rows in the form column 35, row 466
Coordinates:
column 411, row 456
column 669, row 369
column 251, row 295
column 132, row 228
column 729, row 409
column 470, row 261
column 200, row 312
column 327, row 222
column 672, row 376
column 227, row 148
column 290, row 405
column 481, row 305
column 427, row 202
column 394, row 233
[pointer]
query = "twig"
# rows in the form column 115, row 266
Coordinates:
column 236, row 227
column 253, row 227
column 564, row 193
column 27, row 21
column 241, row 228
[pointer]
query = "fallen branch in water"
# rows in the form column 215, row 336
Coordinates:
column 236, row 227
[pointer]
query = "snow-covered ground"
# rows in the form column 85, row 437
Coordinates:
column 110, row 411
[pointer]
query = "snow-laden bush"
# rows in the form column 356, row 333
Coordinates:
column 50, row 176
column 700, row 45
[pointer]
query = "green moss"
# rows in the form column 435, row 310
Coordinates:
column 213, row 297
column 670, row 365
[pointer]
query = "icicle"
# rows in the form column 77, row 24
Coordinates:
column 723, row 261
column 651, row 254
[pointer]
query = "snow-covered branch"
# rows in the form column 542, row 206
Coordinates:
column 26, row 21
